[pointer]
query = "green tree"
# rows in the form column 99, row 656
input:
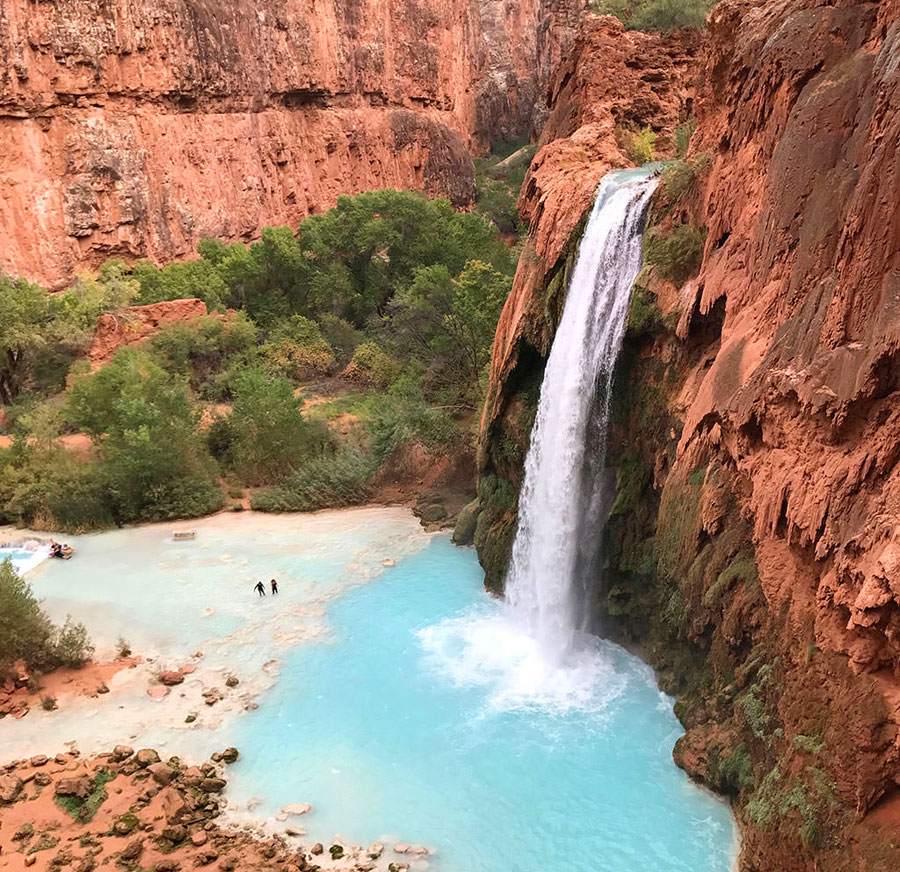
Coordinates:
column 145, row 427
column 450, row 322
column 269, row 435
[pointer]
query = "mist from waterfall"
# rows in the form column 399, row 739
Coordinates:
column 561, row 505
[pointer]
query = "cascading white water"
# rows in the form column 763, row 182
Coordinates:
column 525, row 654
column 560, row 503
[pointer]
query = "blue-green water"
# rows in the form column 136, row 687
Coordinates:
column 399, row 700
column 392, row 730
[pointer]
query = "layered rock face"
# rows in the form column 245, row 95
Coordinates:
column 752, row 548
column 134, row 129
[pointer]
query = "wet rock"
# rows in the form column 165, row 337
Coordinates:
column 336, row 851
column 80, row 786
column 212, row 785
column 376, row 849
column 191, row 718
column 170, row 677
column 230, row 755
column 296, row 808
column 212, row 696
column 464, row 531
column 10, row 788
column 232, row 681
column 145, row 757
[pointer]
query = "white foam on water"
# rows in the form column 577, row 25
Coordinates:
column 497, row 653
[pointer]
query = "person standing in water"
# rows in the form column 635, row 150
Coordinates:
column 274, row 586
column 260, row 588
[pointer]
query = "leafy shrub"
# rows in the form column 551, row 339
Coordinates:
column 641, row 145
column 679, row 175
column 123, row 647
column 27, row 633
column 402, row 417
column 371, row 364
column 662, row 15
column 296, row 350
column 71, row 645
column 268, row 435
column 330, row 479
column 48, row 703
column 682, row 136
column 675, row 254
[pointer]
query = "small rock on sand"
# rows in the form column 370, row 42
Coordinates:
column 199, row 838
column 296, row 808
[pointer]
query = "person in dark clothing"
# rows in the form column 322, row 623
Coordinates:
column 260, row 588
column 274, row 586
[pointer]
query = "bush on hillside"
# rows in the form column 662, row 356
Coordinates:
column 662, row 15
column 675, row 254
column 26, row 633
column 328, row 480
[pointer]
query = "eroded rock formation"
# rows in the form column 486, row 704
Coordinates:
column 752, row 548
column 134, row 129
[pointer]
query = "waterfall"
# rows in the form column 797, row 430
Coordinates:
column 524, row 653
column 561, row 504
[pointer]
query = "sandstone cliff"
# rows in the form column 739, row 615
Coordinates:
column 752, row 548
column 134, row 129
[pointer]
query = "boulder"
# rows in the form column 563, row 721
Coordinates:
column 232, row 681
column 121, row 752
column 145, row 757
column 175, row 832
column 79, row 786
column 464, row 531
column 296, row 808
column 174, row 806
column 10, row 788
column 212, row 785
column 170, row 677
column 230, row 755
column 376, row 849
column 39, row 760
column 162, row 773
column 132, row 850
column 199, row 838
column 317, row 849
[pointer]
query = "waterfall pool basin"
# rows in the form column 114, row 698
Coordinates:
column 378, row 701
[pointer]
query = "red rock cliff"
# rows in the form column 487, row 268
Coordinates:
column 136, row 128
column 754, row 548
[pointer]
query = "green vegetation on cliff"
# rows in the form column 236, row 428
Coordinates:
column 661, row 15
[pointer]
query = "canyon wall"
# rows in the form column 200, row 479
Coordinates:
column 133, row 129
column 752, row 546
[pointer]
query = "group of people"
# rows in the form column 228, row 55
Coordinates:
column 63, row 552
column 260, row 588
